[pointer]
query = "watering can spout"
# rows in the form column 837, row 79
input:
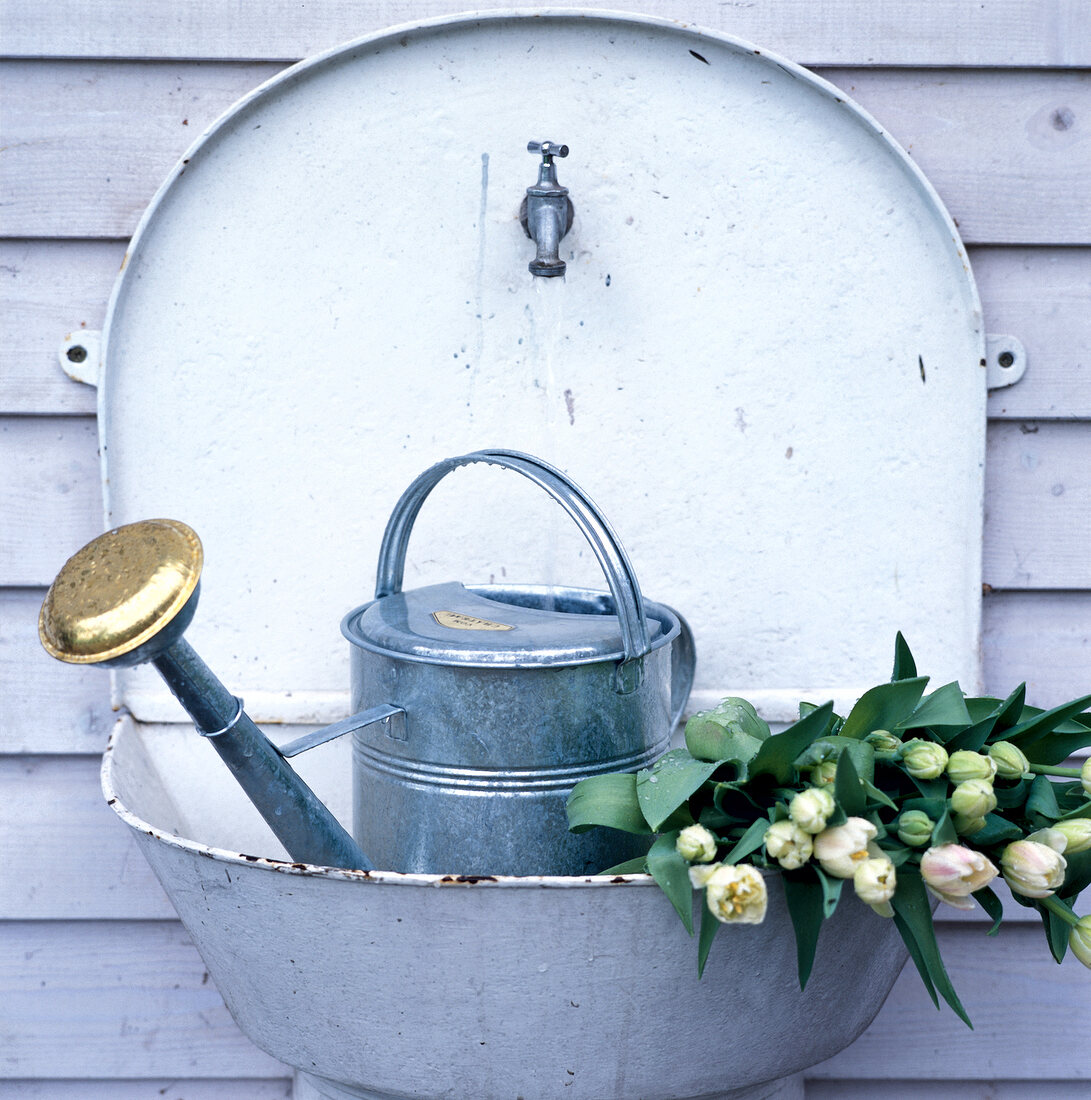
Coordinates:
column 125, row 599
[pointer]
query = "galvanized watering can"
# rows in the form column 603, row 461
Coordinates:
column 511, row 694
column 478, row 707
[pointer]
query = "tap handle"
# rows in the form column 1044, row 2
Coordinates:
column 547, row 149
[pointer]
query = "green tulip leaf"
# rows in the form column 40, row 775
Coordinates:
column 944, row 707
column 883, row 707
column 847, row 788
column 1011, row 710
column 983, row 706
column 1055, row 748
column 749, row 842
column 709, row 927
column 905, row 668
column 804, row 895
column 609, row 800
column 1077, row 874
column 661, row 789
column 992, row 905
column 931, row 788
column 1028, row 735
column 933, row 807
column 863, row 758
column 637, row 866
column 1041, row 807
column 876, row 795
column 671, row 871
column 913, row 915
column 1083, row 810
column 894, row 850
column 1056, row 927
column 917, row 955
column 715, row 820
column 777, row 753
column 972, row 738
column 997, row 830
column 831, row 891
column 733, row 731
column 943, row 832
column 1070, row 796
column 1011, row 798
column 832, row 722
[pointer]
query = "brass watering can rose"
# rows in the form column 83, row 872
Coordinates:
column 126, row 598
column 120, row 591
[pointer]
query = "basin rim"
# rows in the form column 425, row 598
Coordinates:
column 289, row 867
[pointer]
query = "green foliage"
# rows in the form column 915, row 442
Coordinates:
column 905, row 668
column 776, row 755
column 805, row 898
column 944, row 707
column 884, row 707
column 913, row 915
column 736, row 779
column 662, row 789
column 671, row 871
column 732, row 732
column 608, row 800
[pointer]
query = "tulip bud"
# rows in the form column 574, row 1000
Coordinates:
column 736, row 894
column 924, row 759
column 1077, row 834
column 1011, row 762
column 1051, row 837
column 874, row 881
column 1085, row 776
column 810, row 809
column 967, row 826
column 700, row 873
column 696, row 844
column 964, row 765
column 952, row 873
column 1079, row 939
column 1032, row 869
column 824, row 774
column 974, row 798
column 788, row 844
column 842, row 847
column 883, row 741
column 915, row 828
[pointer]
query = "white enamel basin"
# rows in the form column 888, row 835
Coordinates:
column 429, row 986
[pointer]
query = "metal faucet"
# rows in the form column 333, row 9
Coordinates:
column 547, row 212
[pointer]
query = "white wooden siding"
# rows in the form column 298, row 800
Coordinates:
column 945, row 33
column 90, row 141
column 103, row 995
column 53, row 287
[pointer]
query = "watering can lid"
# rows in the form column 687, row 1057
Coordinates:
column 497, row 625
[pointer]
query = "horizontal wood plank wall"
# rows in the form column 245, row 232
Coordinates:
column 57, row 287
column 234, row 1088
column 103, row 994
column 90, row 141
column 949, row 33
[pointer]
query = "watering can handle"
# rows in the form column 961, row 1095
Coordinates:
column 611, row 557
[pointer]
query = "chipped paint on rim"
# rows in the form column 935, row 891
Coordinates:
column 288, row 867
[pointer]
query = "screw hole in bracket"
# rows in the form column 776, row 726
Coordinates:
column 1005, row 361
column 78, row 356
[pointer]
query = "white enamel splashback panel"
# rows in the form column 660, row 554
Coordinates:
column 764, row 363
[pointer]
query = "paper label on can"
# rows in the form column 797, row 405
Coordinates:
column 457, row 621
